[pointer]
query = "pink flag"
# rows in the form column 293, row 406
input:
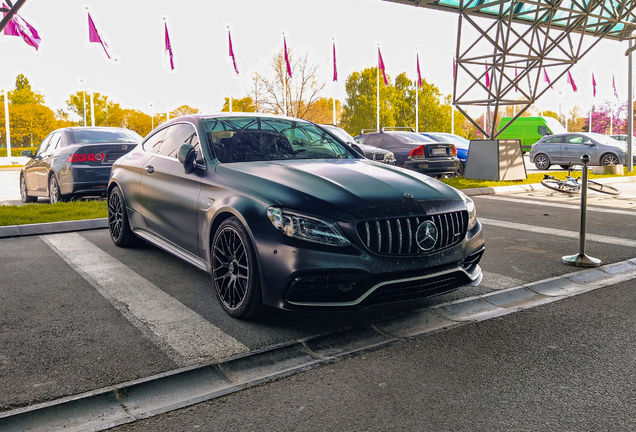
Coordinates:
column 454, row 67
column 546, row 78
column 571, row 82
column 93, row 35
column 516, row 87
column 419, row 74
column 17, row 26
column 168, row 45
column 487, row 77
column 289, row 74
column 231, row 51
column 593, row 85
column 614, row 86
column 335, row 69
column 381, row 67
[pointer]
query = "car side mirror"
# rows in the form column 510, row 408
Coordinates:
column 186, row 155
column 27, row 153
column 357, row 149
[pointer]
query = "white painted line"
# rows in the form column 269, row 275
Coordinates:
column 560, row 205
column 494, row 280
column 177, row 328
column 558, row 232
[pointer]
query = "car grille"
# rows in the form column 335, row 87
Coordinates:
column 397, row 236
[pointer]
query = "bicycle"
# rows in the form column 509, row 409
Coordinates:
column 572, row 185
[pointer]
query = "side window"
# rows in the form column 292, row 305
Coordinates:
column 152, row 144
column 574, row 139
column 177, row 135
column 385, row 144
column 373, row 140
column 43, row 146
column 54, row 144
column 543, row 130
column 554, row 140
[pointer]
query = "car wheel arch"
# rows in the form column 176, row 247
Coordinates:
column 607, row 153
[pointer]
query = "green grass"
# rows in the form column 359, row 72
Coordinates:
column 41, row 213
column 462, row 183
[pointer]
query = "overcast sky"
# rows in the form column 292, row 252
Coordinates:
column 204, row 75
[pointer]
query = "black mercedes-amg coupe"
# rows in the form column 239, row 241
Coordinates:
column 285, row 215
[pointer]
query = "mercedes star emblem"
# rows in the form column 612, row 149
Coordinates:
column 426, row 235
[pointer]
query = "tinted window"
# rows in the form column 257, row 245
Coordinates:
column 54, row 144
column 91, row 136
column 43, row 146
column 152, row 144
column 554, row 140
column 578, row 139
column 373, row 140
column 385, row 144
column 410, row 138
column 177, row 135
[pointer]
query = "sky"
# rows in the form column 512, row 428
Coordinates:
column 141, row 77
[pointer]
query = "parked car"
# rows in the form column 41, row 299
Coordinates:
column 284, row 215
column 414, row 151
column 619, row 137
column 461, row 143
column 529, row 130
column 370, row 152
column 72, row 162
column 566, row 149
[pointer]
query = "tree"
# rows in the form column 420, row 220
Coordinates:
column 239, row 105
column 298, row 93
column 183, row 110
column 107, row 113
column 603, row 116
column 23, row 94
column 137, row 121
column 359, row 111
column 30, row 124
column 321, row 111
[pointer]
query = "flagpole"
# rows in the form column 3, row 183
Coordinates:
column 335, row 78
column 6, row 122
column 451, row 104
column 230, row 103
column 84, row 98
column 92, row 111
column 377, row 117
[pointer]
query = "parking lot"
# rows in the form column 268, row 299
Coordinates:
column 78, row 313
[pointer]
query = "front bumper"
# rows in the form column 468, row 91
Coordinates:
column 298, row 276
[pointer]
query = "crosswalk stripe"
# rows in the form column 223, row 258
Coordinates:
column 560, row 205
column 558, row 232
column 176, row 327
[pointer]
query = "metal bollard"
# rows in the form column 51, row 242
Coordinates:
column 581, row 259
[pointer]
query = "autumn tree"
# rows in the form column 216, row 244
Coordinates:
column 183, row 110
column 107, row 113
column 321, row 111
column 298, row 93
column 137, row 121
column 23, row 94
column 239, row 105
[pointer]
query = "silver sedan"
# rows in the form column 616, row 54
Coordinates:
column 565, row 149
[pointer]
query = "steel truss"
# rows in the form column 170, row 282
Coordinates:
column 520, row 43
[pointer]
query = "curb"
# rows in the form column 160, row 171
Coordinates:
column 135, row 400
column 52, row 227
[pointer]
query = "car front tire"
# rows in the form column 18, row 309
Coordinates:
column 118, row 226
column 24, row 192
column 610, row 159
column 235, row 274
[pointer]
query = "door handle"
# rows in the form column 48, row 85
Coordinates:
column 150, row 169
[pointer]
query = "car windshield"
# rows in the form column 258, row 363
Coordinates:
column 88, row 136
column 460, row 142
column 411, row 137
column 247, row 139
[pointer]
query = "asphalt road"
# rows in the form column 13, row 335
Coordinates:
column 78, row 313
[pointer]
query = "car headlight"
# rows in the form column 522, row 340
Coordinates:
column 470, row 207
column 304, row 227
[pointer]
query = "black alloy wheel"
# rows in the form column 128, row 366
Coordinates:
column 118, row 226
column 235, row 272
column 24, row 193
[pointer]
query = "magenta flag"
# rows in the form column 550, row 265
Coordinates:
column 571, row 82
column 231, row 52
column 614, row 86
column 593, row 85
column 547, row 78
column 168, row 45
column 381, row 67
column 93, row 35
column 487, row 77
column 17, row 26
column 289, row 74
column 516, row 88
column 419, row 74
column 335, row 69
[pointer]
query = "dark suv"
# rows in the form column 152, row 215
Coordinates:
column 414, row 151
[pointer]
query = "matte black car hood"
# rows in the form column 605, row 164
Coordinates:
column 333, row 187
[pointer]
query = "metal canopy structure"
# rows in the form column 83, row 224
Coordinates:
column 518, row 43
